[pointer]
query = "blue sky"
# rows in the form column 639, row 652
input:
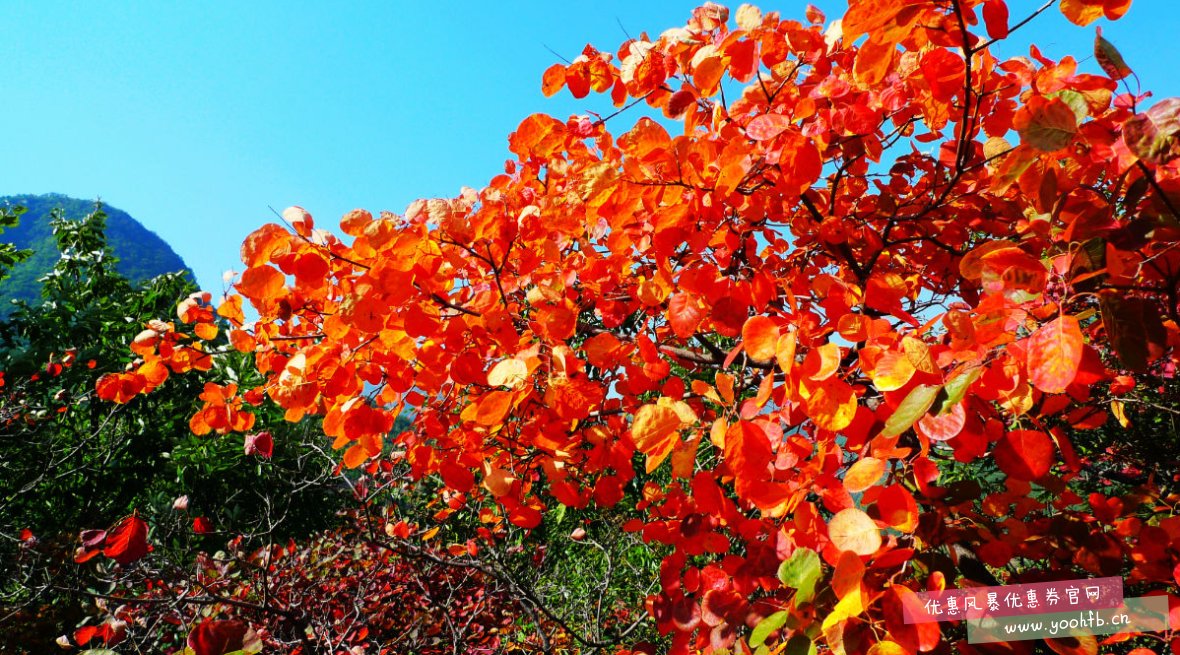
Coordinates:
column 196, row 118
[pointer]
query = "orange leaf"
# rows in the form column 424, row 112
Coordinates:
column 893, row 371
column 553, row 79
column 1082, row 12
column 830, row 403
column 897, row 508
column 707, row 74
column 684, row 314
column 1054, row 354
column 760, row 338
column 823, row 362
column 887, row 648
column 493, row 408
column 261, row 283
column 848, row 574
column 355, row 456
column 853, row 530
column 262, row 243
column 868, row 16
column 725, row 387
column 656, row 429
column 785, row 351
column 873, row 60
column 801, row 162
column 206, row 331
column 864, row 474
column 525, row 516
column 120, row 387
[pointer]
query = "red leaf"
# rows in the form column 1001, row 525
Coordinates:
column 218, row 637
column 83, row 635
column 202, row 525
column 995, row 17
column 127, row 541
column 525, row 516
column 1024, row 454
column 1154, row 136
column 260, row 444
column 684, row 314
column 93, row 538
column 767, row 126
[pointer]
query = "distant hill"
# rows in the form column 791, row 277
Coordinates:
column 142, row 254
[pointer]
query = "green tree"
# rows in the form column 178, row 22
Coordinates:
column 69, row 462
column 10, row 255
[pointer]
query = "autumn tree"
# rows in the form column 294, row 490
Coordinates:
column 826, row 324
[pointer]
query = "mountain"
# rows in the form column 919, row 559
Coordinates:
column 142, row 255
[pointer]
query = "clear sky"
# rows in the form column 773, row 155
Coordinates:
column 195, row 117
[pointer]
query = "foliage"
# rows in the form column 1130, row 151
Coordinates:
column 10, row 254
column 69, row 462
column 378, row 583
column 142, row 255
column 875, row 254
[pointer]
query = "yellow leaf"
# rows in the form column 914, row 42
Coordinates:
column 852, row 529
column 1119, row 409
column 508, row 373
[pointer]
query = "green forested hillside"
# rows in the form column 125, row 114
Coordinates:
column 142, row 255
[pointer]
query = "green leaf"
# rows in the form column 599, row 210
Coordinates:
column 914, row 407
column 954, row 391
column 767, row 626
column 800, row 645
column 801, row 572
column 1047, row 124
column 1076, row 101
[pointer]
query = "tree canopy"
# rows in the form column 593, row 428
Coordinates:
column 853, row 309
